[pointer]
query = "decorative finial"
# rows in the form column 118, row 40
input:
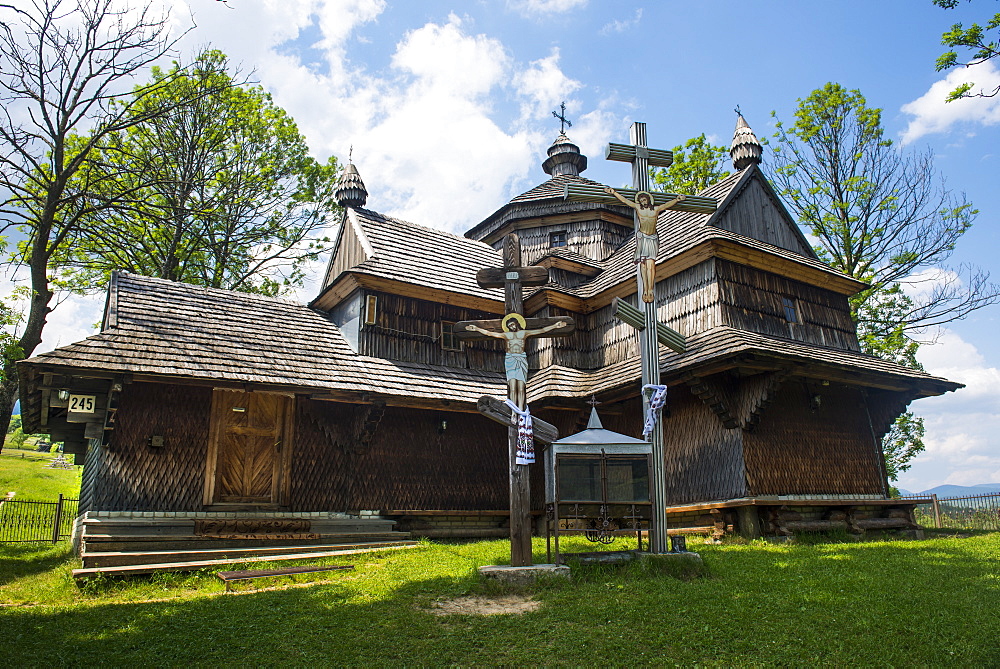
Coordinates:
column 593, row 401
column 746, row 149
column 351, row 191
column 563, row 121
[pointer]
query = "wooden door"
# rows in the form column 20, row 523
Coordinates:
column 248, row 449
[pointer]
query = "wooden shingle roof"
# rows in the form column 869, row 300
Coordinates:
column 544, row 199
column 426, row 257
column 165, row 328
column 726, row 347
column 681, row 231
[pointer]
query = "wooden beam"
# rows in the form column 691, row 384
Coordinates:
column 497, row 277
column 568, row 265
column 667, row 336
column 762, row 260
column 625, row 153
column 579, row 192
column 498, row 411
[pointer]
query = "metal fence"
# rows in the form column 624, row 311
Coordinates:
column 976, row 512
column 24, row 521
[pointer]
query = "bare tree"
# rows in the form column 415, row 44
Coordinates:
column 64, row 69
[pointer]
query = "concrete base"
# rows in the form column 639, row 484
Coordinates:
column 675, row 557
column 599, row 557
column 508, row 575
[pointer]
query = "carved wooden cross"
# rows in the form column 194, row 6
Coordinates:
column 515, row 329
column 642, row 158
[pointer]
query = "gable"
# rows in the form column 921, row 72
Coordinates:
column 350, row 249
column 755, row 211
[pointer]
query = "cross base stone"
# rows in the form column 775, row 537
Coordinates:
column 508, row 575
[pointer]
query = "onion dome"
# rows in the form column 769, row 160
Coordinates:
column 351, row 190
column 746, row 149
column 564, row 158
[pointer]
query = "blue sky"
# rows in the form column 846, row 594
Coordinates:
column 447, row 105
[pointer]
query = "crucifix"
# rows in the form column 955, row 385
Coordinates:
column 563, row 121
column 514, row 329
column 646, row 208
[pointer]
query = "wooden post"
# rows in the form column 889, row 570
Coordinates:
column 937, row 510
column 58, row 520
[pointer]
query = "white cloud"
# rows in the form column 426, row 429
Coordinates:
column 933, row 115
column 961, row 427
column 544, row 86
column 538, row 8
column 620, row 26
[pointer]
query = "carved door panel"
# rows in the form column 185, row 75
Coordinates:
column 247, row 449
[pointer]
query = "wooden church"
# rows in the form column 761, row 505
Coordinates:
column 226, row 414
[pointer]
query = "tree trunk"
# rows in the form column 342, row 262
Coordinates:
column 8, row 396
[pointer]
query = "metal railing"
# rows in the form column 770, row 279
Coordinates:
column 29, row 521
column 975, row 512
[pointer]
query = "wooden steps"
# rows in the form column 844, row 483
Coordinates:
column 194, row 565
column 142, row 544
column 105, row 558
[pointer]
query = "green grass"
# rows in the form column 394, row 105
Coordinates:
column 25, row 473
column 930, row 602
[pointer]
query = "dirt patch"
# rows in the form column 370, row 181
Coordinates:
column 485, row 606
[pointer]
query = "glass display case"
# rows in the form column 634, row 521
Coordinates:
column 597, row 484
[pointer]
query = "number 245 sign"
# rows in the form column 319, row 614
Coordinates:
column 82, row 403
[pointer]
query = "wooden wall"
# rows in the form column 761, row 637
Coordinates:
column 134, row 476
column 409, row 464
column 752, row 300
column 801, row 449
column 594, row 239
column 409, row 330
column 704, row 460
column 756, row 214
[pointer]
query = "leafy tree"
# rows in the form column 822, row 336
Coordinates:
column 976, row 39
column 697, row 165
column 882, row 217
column 221, row 193
column 62, row 64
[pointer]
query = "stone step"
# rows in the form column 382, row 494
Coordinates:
column 131, row 570
column 119, row 558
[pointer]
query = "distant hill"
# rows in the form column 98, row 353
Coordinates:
column 962, row 490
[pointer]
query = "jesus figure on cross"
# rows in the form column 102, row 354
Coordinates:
column 516, row 360
column 646, row 241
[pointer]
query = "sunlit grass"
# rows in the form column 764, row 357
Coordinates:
column 884, row 603
column 26, row 474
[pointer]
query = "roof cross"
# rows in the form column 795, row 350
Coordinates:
column 563, row 121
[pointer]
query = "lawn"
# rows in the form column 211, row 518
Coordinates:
column 931, row 602
column 25, row 473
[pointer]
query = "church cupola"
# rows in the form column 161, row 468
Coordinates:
column 564, row 158
column 351, row 190
column 746, row 149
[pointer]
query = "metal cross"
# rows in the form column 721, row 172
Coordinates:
column 563, row 121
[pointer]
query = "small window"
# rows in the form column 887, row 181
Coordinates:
column 449, row 341
column 557, row 239
column 371, row 308
column 791, row 312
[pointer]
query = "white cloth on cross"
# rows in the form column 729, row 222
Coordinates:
column 656, row 402
column 525, row 435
